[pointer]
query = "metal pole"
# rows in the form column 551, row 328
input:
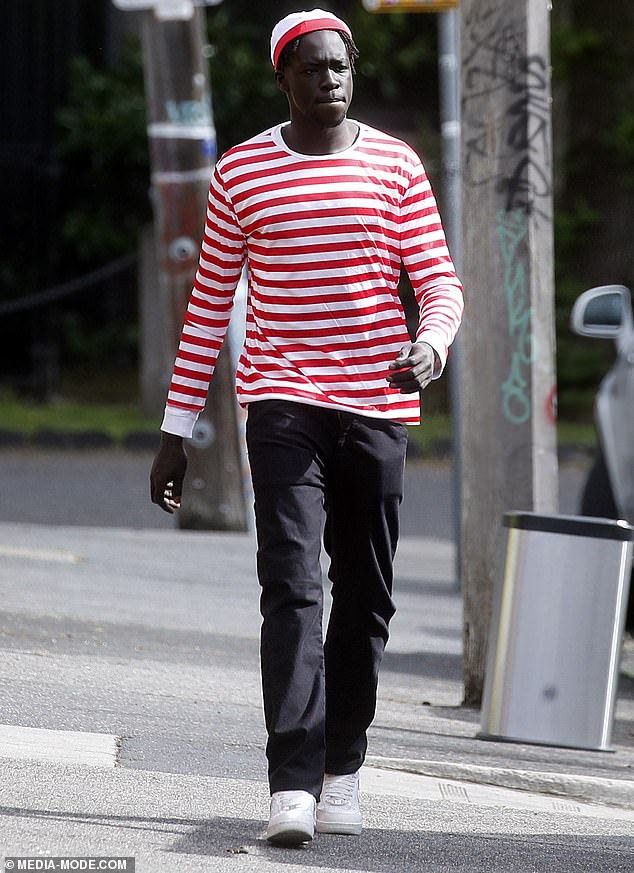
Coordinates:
column 449, row 86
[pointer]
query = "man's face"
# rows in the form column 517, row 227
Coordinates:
column 318, row 79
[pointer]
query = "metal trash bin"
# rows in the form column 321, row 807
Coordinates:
column 557, row 628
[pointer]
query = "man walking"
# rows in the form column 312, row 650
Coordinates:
column 324, row 210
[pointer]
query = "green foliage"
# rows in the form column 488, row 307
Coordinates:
column 245, row 96
column 103, row 148
column 580, row 363
column 574, row 227
column 593, row 59
column 620, row 141
column 396, row 71
column 397, row 65
column 571, row 44
column 115, row 341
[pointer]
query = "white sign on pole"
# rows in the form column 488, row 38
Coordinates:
column 409, row 5
column 167, row 10
column 134, row 5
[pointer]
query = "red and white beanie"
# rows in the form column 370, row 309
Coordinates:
column 298, row 23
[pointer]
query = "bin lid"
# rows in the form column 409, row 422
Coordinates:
column 573, row 525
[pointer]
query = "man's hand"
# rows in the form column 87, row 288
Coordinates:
column 413, row 368
column 168, row 472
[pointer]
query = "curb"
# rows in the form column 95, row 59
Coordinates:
column 592, row 789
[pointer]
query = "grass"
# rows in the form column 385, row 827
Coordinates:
column 119, row 418
column 115, row 419
column 576, row 433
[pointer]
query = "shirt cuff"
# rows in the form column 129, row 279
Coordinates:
column 179, row 422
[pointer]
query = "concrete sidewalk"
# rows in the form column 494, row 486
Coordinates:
column 129, row 691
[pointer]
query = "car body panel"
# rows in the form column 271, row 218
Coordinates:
column 606, row 312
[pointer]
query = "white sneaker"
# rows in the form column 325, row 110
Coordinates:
column 292, row 819
column 338, row 808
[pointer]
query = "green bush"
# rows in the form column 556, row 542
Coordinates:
column 102, row 145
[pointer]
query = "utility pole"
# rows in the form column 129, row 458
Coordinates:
column 182, row 153
column 507, row 370
column 449, row 92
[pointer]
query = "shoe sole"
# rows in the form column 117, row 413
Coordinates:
column 347, row 829
column 289, row 836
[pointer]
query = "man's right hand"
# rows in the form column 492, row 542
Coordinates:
column 168, row 472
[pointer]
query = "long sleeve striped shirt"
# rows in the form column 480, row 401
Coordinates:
column 323, row 237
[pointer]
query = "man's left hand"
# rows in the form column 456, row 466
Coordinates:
column 413, row 368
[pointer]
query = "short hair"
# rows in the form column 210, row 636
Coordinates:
column 291, row 47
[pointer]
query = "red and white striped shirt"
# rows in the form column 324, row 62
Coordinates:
column 324, row 237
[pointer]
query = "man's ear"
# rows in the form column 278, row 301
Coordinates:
column 280, row 78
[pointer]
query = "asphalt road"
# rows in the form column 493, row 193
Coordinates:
column 152, row 639
column 110, row 488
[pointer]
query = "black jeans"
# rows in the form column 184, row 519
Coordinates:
column 309, row 465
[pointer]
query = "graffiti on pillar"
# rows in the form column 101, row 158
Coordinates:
column 512, row 228
column 511, row 146
column 506, row 128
